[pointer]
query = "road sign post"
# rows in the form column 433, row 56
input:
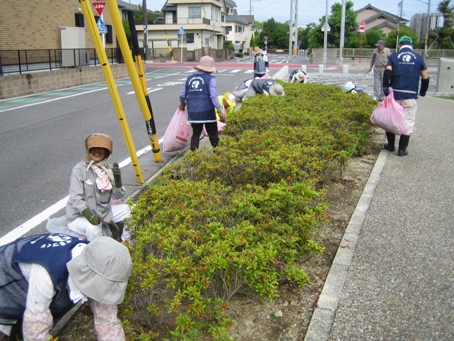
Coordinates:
column 181, row 32
column 362, row 28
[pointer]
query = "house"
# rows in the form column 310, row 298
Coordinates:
column 378, row 19
column 205, row 26
column 33, row 26
column 191, row 29
column 239, row 28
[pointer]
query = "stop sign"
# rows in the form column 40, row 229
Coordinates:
column 362, row 26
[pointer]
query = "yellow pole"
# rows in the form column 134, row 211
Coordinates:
column 105, row 67
column 125, row 50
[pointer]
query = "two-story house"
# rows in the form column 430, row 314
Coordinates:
column 191, row 29
column 378, row 19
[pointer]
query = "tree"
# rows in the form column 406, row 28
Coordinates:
column 391, row 39
column 335, row 23
column 303, row 36
column 277, row 33
column 138, row 16
column 372, row 36
column 445, row 35
column 316, row 35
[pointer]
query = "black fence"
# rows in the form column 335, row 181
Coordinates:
column 26, row 61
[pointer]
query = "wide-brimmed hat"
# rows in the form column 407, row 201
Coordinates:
column 300, row 76
column 276, row 90
column 206, row 64
column 405, row 40
column 99, row 140
column 380, row 43
column 257, row 50
column 102, row 270
column 230, row 99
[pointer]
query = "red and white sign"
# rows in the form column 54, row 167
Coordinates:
column 99, row 6
column 362, row 26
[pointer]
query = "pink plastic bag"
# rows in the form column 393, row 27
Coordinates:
column 177, row 133
column 221, row 126
column 390, row 116
column 266, row 76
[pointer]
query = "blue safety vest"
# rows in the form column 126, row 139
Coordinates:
column 407, row 66
column 52, row 251
column 200, row 108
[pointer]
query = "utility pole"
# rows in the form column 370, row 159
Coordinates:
column 325, row 36
column 145, row 29
column 426, row 42
column 342, row 37
column 293, row 28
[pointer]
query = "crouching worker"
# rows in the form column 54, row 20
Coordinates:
column 227, row 103
column 93, row 184
column 241, row 90
column 43, row 276
column 266, row 87
column 297, row 76
column 351, row 88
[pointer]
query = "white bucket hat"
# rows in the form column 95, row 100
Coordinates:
column 276, row 90
column 206, row 64
column 300, row 76
column 102, row 270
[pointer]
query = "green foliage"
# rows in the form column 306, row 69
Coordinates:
column 276, row 32
column 316, row 35
column 372, row 36
column 239, row 54
column 445, row 35
column 391, row 38
column 228, row 45
column 242, row 217
column 138, row 16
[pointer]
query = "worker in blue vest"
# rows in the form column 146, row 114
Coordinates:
column 260, row 62
column 403, row 71
column 43, row 276
column 297, row 76
column 201, row 96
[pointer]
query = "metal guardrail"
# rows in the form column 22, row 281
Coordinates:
column 367, row 53
column 26, row 61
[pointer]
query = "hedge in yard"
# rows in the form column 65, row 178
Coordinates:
column 242, row 216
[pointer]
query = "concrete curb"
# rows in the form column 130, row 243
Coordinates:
column 323, row 317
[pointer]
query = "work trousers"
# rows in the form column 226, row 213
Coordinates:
column 378, row 82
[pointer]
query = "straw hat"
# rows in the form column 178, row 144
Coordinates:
column 277, row 90
column 230, row 99
column 102, row 270
column 99, row 140
column 206, row 64
column 257, row 50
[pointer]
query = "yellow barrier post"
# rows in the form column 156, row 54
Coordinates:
column 125, row 50
column 110, row 80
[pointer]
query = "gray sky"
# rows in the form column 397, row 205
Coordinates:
column 312, row 10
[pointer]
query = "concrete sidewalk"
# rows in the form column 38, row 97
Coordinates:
column 392, row 278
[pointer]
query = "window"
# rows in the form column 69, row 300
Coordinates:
column 195, row 12
column 228, row 29
column 215, row 13
column 79, row 18
column 189, row 38
column 109, row 39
